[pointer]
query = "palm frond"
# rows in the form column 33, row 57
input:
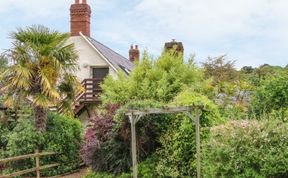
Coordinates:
column 41, row 100
column 45, row 66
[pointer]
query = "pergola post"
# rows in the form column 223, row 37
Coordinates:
column 197, row 125
column 133, row 120
column 197, row 129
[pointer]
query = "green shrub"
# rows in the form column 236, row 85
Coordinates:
column 108, row 141
column 247, row 149
column 63, row 136
column 178, row 152
column 25, row 135
column 152, row 80
column 4, row 132
column 146, row 169
column 92, row 174
column 282, row 113
column 272, row 95
column 157, row 79
column 234, row 112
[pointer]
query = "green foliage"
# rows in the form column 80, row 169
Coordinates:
column 3, row 65
column 114, row 154
column 247, row 149
column 136, row 104
column 166, row 143
column 4, row 133
column 43, row 70
column 233, row 99
column 23, row 134
column 63, row 136
column 220, row 70
column 231, row 88
column 146, row 169
column 247, row 69
column 92, row 174
column 177, row 154
column 152, row 79
column 272, row 95
column 263, row 73
column 152, row 84
column 210, row 112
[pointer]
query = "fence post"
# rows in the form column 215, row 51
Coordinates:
column 37, row 163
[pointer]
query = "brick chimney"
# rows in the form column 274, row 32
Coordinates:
column 134, row 53
column 80, row 14
column 174, row 45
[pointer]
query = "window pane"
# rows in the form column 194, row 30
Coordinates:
column 100, row 72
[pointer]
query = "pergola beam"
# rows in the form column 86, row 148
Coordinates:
column 164, row 110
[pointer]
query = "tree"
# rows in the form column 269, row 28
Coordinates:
column 247, row 69
column 267, row 72
column 220, row 70
column 153, row 83
column 159, row 80
column 42, row 73
column 272, row 95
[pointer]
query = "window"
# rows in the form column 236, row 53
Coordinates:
column 100, row 72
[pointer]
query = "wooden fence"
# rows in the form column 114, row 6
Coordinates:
column 36, row 169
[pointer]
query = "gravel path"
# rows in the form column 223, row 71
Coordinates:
column 79, row 174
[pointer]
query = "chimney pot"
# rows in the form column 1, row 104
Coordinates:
column 174, row 44
column 80, row 18
column 134, row 53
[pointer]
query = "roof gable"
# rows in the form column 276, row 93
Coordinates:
column 115, row 59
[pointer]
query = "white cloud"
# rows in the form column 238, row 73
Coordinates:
column 251, row 31
column 221, row 17
column 46, row 8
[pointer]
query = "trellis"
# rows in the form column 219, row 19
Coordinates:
column 136, row 114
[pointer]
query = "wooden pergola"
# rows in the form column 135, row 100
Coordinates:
column 136, row 114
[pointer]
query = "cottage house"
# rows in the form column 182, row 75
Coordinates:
column 96, row 60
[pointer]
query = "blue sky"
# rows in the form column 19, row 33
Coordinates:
column 252, row 32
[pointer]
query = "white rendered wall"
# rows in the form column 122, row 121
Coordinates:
column 88, row 58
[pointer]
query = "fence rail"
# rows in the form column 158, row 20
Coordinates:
column 36, row 169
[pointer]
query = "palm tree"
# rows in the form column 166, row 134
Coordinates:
column 43, row 71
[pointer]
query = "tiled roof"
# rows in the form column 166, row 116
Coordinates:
column 117, row 60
